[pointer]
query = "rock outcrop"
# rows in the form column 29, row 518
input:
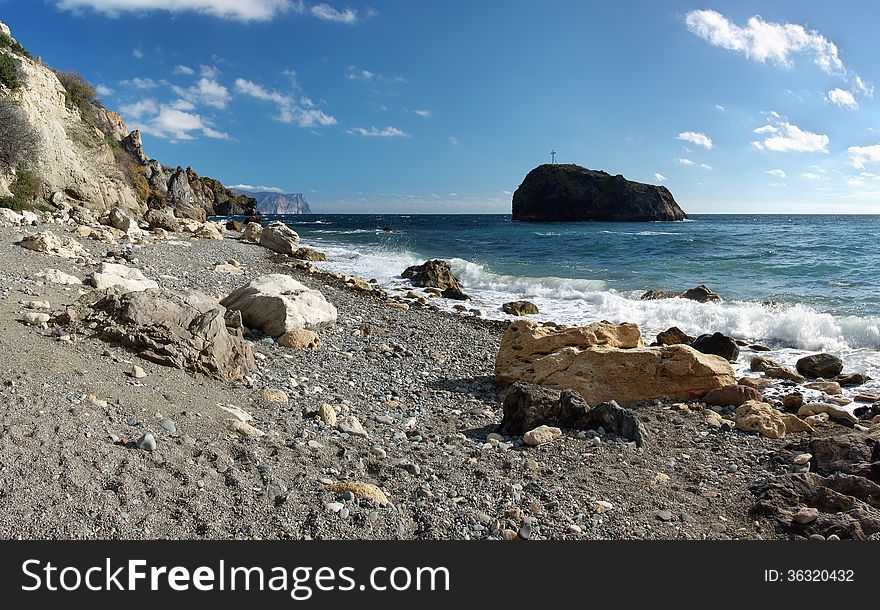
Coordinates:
column 73, row 155
column 605, row 362
column 277, row 304
column 528, row 406
column 717, row 344
column 280, row 238
column 700, row 294
column 188, row 332
column 574, row 193
column 820, row 365
column 278, row 203
column 436, row 274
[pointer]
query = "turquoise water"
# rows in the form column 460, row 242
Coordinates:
column 797, row 283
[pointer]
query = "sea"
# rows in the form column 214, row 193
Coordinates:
column 797, row 283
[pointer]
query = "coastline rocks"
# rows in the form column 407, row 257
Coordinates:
column 300, row 338
column 49, row 243
column 717, row 344
column 163, row 218
column 251, row 233
column 10, row 218
column 278, row 237
column 828, row 387
column 308, row 254
column 701, row 294
column 436, row 274
column 54, row 276
column 819, row 365
column 182, row 331
column 674, row 336
column 840, row 498
column 785, row 373
column 128, row 279
column 834, row 411
column 762, row 363
column 760, row 417
column 732, row 395
column 209, row 230
column 569, row 192
column 520, row 308
column 527, row 406
column 541, row 436
column 278, row 303
column 606, row 361
column 852, row 379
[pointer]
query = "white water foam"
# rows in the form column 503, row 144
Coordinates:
column 792, row 331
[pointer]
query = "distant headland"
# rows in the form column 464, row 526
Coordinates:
column 568, row 192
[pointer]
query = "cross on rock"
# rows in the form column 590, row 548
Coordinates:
column 553, row 157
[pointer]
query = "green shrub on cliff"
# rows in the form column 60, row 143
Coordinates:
column 80, row 93
column 10, row 72
column 8, row 43
column 26, row 189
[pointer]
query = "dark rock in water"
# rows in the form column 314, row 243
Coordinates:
column 527, row 406
column 852, row 379
column 717, row 344
column 308, row 254
column 759, row 347
column 701, row 294
column 574, row 193
column 520, row 308
column 387, row 229
column 732, row 395
column 820, row 365
column 436, row 274
column 674, row 336
column 762, row 363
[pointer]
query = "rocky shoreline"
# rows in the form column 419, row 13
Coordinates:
column 387, row 421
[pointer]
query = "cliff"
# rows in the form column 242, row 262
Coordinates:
column 59, row 144
column 278, row 203
column 569, row 192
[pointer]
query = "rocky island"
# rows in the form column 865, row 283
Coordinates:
column 568, row 192
column 269, row 202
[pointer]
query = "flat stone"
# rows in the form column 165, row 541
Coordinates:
column 169, row 426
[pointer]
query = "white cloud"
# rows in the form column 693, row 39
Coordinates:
column 778, row 173
column 373, row 132
column 682, row 161
column 140, row 83
column 138, row 109
column 861, row 155
column 328, row 13
column 785, row 137
column 137, row 53
column 720, row 108
column 289, row 110
column 242, row 10
column 355, row 73
column 695, row 137
column 809, row 176
column 205, row 91
column 842, row 99
column 423, row 113
column 454, row 141
column 660, row 177
column 257, row 189
column 766, row 129
column 103, row 90
column 706, row 167
column 184, row 70
column 864, row 88
column 765, row 41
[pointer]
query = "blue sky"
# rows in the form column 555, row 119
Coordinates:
column 737, row 107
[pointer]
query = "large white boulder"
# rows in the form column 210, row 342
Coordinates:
column 277, row 303
column 10, row 218
column 279, row 237
column 128, row 279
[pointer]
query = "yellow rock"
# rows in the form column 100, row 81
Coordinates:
column 243, row 428
column 755, row 416
column 605, row 361
column 274, row 395
column 814, row 408
column 362, row 491
column 299, row 338
column 327, row 414
column 793, row 423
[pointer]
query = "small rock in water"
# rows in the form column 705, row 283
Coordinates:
column 147, row 442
